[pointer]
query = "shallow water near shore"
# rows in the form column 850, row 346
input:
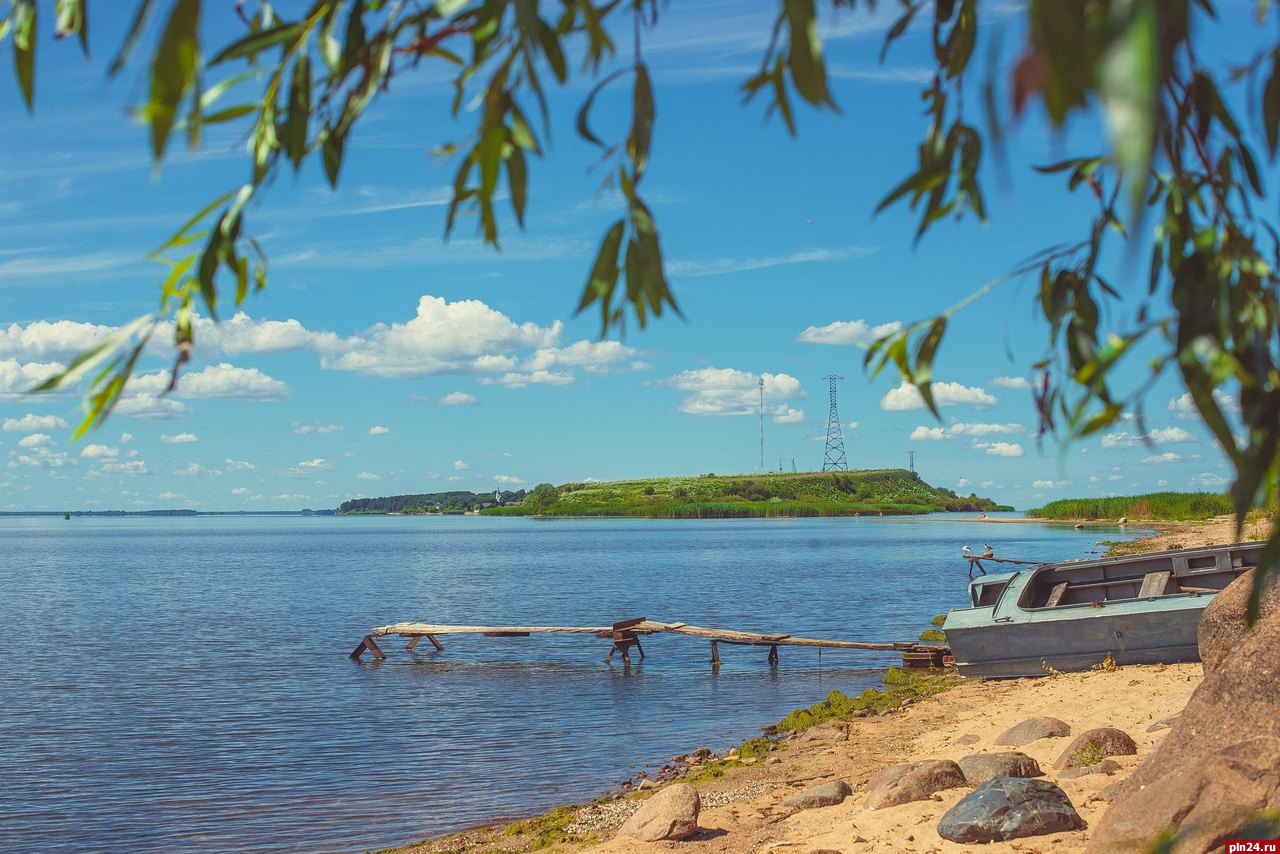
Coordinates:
column 172, row 684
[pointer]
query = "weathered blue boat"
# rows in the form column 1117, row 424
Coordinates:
column 1140, row 609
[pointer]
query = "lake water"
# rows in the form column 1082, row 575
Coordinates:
column 179, row 684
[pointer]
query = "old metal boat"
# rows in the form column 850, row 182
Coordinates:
column 1140, row 609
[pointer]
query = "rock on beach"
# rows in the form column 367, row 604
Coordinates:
column 1033, row 729
column 670, row 814
column 901, row 784
column 826, row 795
column 981, row 767
column 1107, row 740
column 1006, row 808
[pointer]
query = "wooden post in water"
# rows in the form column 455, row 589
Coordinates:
column 773, row 655
column 715, row 654
column 368, row 643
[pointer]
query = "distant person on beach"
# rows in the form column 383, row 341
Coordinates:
column 881, row 514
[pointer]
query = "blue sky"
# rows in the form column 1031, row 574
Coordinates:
column 383, row 360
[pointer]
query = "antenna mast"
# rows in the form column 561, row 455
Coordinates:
column 834, row 457
column 762, row 425
column 911, row 455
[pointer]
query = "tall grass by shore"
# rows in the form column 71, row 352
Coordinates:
column 1163, row 506
column 720, row 510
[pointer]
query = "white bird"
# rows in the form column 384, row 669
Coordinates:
column 810, row 221
column 990, row 552
column 967, row 551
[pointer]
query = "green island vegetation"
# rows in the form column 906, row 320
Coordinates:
column 889, row 491
column 434, row 502
column 1158, row 506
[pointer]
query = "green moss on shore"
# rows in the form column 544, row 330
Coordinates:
column 839, row 706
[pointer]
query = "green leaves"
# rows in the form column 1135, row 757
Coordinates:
column 802, row 61
column 173, row 71
column 24, row 48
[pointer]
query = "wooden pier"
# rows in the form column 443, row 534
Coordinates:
column 626, row 634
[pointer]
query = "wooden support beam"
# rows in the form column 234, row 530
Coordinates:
column 434, row 642
column 414, row 641
column 715, row 652
column 368, row 644
column 773, row 655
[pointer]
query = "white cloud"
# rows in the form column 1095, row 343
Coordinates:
column 99, row 452
column 1162, row 482
column 990, row 484
column 1184, row 406
column 506, row 478
column 516, row 379
column 35, row 440
column 300, row 429
column 179, row 439
column 43, row 340
column 906, row 397
column 594, row 357
column 195, row 470
column 459, row 337
column 131, row 468
column 307, row 468
column 1011, row 382
column 457, row 398
column 1000, row 449
column 237, row 465
column 241, row 490
column 792, row 416
column 165, row 496
column 459, row 465
column 378, row 430
column 1167, row 435
column 454, row 478
column 721, row 266
column 33, row 422
column 126, row 438
column 1208, row 479
column 960, row 428
column 1170, row 435
column 242, row 334
column 1042, row 484
column 725, row 391
column 368, row 475
column 42, row 457
column 858, row 333
column 852, row 425
column 150, row 406
column 1166, row 457
column 17, row 379
column 963, row 482
column 231, row 383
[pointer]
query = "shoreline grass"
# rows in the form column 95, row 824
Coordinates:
column 1152, row 506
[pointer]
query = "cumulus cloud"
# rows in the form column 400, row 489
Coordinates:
column 378, row 430
column 300, row 429
column 454, row 478
column 243, row 334
column 1166, row 435
column 459, row 337
column 231, row 383
column 40, row 456
column 858, row 333
column 131, row 468
column 35, row 440
column 238, row 465
column 1209, row 480
column 368, row 475
column 99, row 452
column 518, row 379
column 906, row 397
column 16, row 379
column 178, row 439
column 126, row 438
column 594, row 357
column 150, row 406
column 1011, row 382
column 1166, row 457
column 506, row 478
column 457, row 398
column 1184, row 406
column 961, row 429
column 195, row 470
column 307, row 468
column 1000, row 449
column 459, row 465
column 241, row 490
column 1170, row 435
column 725, row 391
column 31, row 422
column 60, row 339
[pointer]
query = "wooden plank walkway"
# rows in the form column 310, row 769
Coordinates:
column 627, row 633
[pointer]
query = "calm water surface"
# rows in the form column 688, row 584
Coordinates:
column 174, row 684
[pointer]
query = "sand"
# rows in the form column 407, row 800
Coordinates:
column 742, row 811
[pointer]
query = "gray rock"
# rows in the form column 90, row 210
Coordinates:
column 1106, row 766
column 1009, row 808
column 1109, row 741
column 902, row 784
column 670, row 814
column 1164, row 723
column 1222, row 625
column 1033, row 729
column 826, row 795
column 966, row 740
column 827, row 732
column 980, row 767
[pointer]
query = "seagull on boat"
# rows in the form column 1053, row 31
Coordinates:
column 989, row 552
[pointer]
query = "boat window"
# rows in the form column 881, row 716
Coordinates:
column 989, row 594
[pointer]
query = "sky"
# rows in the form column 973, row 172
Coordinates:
column 382, row 359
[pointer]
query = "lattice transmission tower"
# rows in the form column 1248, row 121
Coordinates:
column 834, row 458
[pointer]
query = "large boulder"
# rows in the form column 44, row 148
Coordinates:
column 1009, row 808
column 826, row 795
column 1236, row 705
column 670, row 814
column 1102, row 742
column 981, row 767
column 1033, row 729
column 1222, row 624
column 902, row 784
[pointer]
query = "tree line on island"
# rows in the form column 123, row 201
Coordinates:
column 890, row 491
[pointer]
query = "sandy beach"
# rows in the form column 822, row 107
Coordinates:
column 743, row 811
